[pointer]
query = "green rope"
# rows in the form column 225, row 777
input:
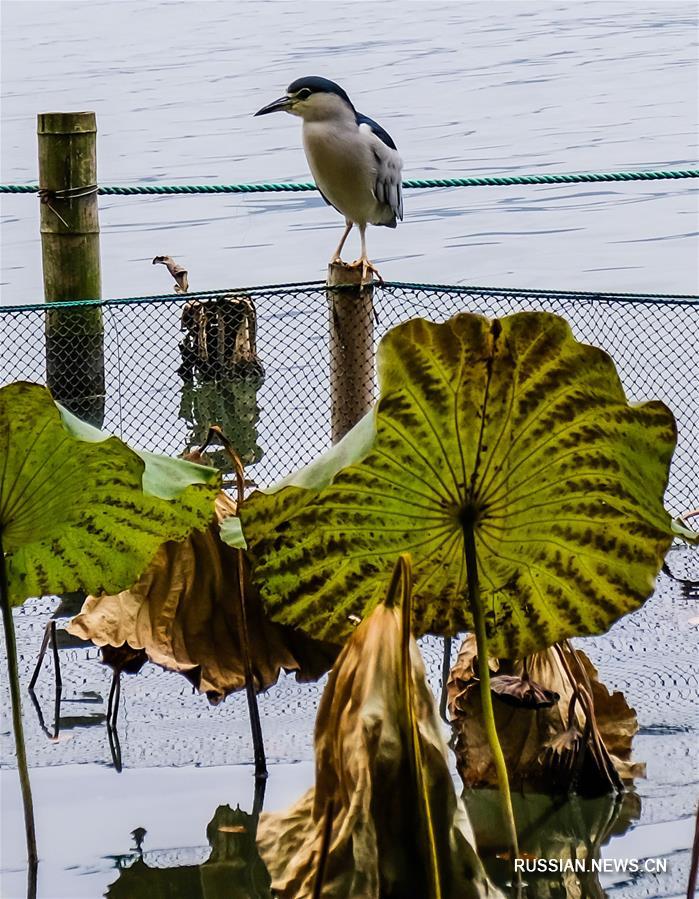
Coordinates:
column 313, row 288
column 277, row 187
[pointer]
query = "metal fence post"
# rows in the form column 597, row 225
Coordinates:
column 71, row 260
column 351, row 327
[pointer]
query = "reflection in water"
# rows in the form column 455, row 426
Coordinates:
column 571, row 829
column 62, row 723
column 221, row 375
column 234, row 869
column 121, row 659
column 551, row 828
column 59, row 639
column 230, row 404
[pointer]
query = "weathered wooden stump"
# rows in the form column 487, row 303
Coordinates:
column 71, row 260
column 351, row 330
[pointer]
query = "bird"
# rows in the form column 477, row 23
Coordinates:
column 354, row 161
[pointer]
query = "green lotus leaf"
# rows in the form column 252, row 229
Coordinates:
column 80, row 509
column 231, row 532
column 511, row 428
column 680, row 529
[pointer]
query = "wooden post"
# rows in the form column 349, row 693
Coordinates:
column 71, row 260
column 351, row 325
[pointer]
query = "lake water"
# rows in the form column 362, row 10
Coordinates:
column 464, row 88
column 182, row 758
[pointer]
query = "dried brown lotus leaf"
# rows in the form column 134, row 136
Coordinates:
column 184, row 611
column 124, row 658
column 522, row 692
column 366, row 774
column 560, row 757
column 541, row 746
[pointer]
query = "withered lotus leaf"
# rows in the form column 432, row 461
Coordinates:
column 184, row 611
column 522, row 692
column 547, row 749
column 396, row 827
column 124, row 658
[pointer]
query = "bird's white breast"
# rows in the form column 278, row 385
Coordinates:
column 343, row 166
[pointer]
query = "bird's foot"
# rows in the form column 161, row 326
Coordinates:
column 368, row 268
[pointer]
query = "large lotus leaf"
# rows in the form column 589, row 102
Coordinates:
column 383, row 806
column 80, row 509
column 184, row 611
column 511, row 427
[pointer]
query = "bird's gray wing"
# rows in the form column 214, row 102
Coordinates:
column 388, row 186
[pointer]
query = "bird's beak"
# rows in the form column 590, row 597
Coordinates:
column 283, row 104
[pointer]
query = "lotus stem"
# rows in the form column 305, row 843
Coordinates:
column 114, row 697
column 42, row 653
column 56, row 659
column 474, row 594
column 49, row 637
column 253, row 709
column 404, row 573
column 258, row 801
column 114, row 747
column 584, row 692
column 694, row 865
column 22, row 769
column 446, row 668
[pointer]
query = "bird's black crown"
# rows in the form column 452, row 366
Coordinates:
column 317, row 85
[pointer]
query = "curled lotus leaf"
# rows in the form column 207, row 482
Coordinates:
column 80, row 510
column 548, row 749
column 509, row 427
column 383, row 818
column 522, row 692
column 184, row 613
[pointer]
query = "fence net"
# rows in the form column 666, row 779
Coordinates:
column 157, row 371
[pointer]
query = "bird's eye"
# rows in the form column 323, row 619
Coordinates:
column 303, row 94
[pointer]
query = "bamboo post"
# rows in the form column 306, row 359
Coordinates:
column 351, row 325
column 71, row 260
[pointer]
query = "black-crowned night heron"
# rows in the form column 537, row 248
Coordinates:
column 354, row 162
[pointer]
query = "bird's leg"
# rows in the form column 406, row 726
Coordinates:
column 338, row 251
column 364, row 260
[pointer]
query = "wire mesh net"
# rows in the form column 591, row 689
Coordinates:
column 261, row 362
